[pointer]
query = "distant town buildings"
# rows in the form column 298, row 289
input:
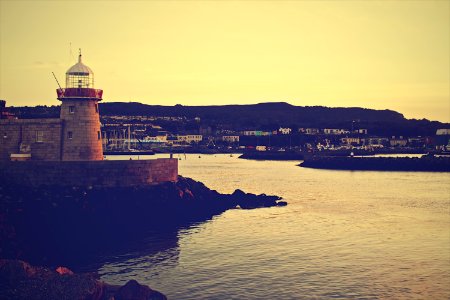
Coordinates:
column 398, row 141
column 150, row 132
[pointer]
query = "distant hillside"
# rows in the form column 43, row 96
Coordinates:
column 262, row 113
column 265, row 116
column 273, row 115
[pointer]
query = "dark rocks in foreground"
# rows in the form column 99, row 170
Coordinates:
column 59, row 225
column 20, row 280
column 426, row 163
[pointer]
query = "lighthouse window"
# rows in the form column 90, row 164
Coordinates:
column 98, row 135
column 69, row 135
column 5, row 135
column 71, row 109
column 39, row 136
column 96, row 108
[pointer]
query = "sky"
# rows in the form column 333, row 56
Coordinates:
column 372, row 54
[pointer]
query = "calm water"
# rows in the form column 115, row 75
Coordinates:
column 344, row 234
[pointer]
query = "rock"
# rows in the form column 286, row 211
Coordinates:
column 20, row 280
column 281, row 203
column 238, row 193
column 23, row 281
column 63, row 271
column 41, row 230
column 250, row 201
column 15, row 270
column 132, row 290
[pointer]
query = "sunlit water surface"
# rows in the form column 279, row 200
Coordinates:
column 344, row 234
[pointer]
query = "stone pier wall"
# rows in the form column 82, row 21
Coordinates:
column 39, row 137
column 104, row 173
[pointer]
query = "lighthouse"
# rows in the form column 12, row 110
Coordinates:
column 68, row 151
column 81, row 135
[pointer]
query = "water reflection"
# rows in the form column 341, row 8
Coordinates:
column 157, row 249
column 343, row 235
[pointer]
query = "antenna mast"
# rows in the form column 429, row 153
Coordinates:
column 57, row 81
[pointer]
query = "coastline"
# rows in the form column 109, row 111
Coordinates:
column 70, row 226
column 52, row 224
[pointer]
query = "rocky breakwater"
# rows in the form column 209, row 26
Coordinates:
column 427, row 163
column 55, row 225
column 20, row 280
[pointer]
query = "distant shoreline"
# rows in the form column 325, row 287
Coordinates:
column 272, row 155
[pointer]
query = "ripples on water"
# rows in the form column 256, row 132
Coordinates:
column 343, row 235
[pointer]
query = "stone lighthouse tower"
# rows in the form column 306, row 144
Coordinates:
column 81, row 135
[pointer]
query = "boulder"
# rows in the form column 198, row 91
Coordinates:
column 250, row 201
column 132, row 290
column 15, row 270
column 64, row 271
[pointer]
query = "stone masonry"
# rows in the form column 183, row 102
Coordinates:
column 82, row 137
column 113, row 173
column 39, row 137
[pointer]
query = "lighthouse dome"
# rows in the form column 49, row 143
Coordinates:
column 79, row 75
column 79, row 68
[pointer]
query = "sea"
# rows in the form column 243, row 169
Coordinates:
column 343, row 235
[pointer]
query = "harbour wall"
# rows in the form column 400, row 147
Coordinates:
column 39, row 137
column 116, row 173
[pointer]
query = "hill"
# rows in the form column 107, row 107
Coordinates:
column 266, row 116
column 274, row 115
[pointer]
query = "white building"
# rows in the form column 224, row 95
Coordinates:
column 335, row 131
column 398, row 142
column 230, row 138
column 375, row 141
column 156, row 139
column 190, row 138
column 312, row 131
column 285, row 130
column 360, row 131
column 351, row 141
column 444, row 131
column 249, row 132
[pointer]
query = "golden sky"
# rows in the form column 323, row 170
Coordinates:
column 373, row 54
